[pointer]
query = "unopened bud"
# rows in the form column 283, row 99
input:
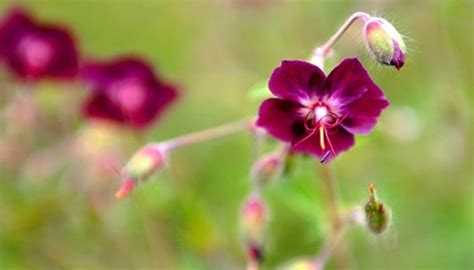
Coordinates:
column 253, row 226
column 145, row 162
column 377, row 215
column 127, row 187
column 267, row 168
column 302, row 264
column 384, row 42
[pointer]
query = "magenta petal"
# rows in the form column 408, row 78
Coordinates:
column 362, row 114
column 101, row 75
column 14, row 25
column 398, row 58
column 341, row 140
column 65, row 62
column 100, row 106
column 279, row 117
column 126, row 91
column 347, row 82
column 296, row 80
column 33, row 50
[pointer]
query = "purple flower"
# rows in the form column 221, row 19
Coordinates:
column 318, row 114
column 126, row 91
column 34, row 50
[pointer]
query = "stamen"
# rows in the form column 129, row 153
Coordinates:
column 305, row 138
column 326, row 155
column 329, row 141
column 321, row 137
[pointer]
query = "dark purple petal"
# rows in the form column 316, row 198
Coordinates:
column 34, row 51
column 13, row 26
column 347, row 82
column 296, row 80
column 398, row 58
column 101, row 75
column 362, row 113
column 101, row 106
column 280, row 118
column 340, row 139
column 126, row 91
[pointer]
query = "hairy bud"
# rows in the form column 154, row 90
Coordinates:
column 377, row 215
column 267, row 168
column 301, row 264
column 384, row 42
column 253, row 219
column 145, row 162
column 127, row 187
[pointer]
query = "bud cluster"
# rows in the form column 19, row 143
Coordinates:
column 253, row 221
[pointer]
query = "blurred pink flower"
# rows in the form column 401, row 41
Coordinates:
column 35, row 50
column 126, row 91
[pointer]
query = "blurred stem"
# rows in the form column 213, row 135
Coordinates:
column 336, row 238
column 323, row 51
column 330, row 196
column 208, row 134
column 252, row 265
column 336, row 221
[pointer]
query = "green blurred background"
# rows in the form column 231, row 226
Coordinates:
column 420, row 156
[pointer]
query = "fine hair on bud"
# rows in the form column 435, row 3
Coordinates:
column 377, row 214
column 145, row 162
column 267, row 168
column 384, row 42
column 253, row 221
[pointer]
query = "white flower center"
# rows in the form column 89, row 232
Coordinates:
column 320, row 112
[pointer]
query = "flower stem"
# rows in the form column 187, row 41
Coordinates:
column 334, row 241
column 336, row 221
column 330, row 197
column 321, row 52
column 208, row 134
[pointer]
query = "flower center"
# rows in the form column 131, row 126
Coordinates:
column 324, row 117
column 318, row 120
column 129, row 94
column 36, row 52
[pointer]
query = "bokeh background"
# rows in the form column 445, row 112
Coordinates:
column 58, row 212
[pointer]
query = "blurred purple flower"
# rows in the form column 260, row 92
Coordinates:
column 35, row 50
column 126, row 91
column 318, row 114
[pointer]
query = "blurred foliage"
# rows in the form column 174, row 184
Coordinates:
column 187, row 216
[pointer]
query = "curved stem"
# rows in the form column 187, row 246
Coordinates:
column 334, row 241
column 208, row 134
column 321, row 52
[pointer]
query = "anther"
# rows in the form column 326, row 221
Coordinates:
column 325, row 157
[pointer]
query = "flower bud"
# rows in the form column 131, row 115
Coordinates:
column 267, row 168
column 377, row 215
column 384, row 42
column 253, row 218
column 145, row 162
column 302, row 264
column 127, row 187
